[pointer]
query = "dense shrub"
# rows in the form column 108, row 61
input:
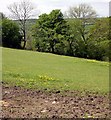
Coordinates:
column 10, row 34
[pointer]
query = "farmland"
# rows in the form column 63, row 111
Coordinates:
column 54, row 65
column 44, row 85
column 48, row 71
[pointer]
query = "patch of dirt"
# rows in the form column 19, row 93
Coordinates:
column 25, row 103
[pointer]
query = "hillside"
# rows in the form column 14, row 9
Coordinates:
column 48, row 71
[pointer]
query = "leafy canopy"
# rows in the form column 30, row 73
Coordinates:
column 51, row 29
column 10, row 34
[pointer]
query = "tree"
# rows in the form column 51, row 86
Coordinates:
column 51, row 29
column 110, row 36
column 10, row 34
column 99, row 40
column 57, row 29
column 82, row 11
column 1, row 17
column 83, row 17
column 22, row 12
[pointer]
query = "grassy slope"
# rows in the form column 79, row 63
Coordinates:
column 36, row 70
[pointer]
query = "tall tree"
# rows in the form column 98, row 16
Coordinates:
column 52, row 29
column 57, row 29
column 83, row 16
column 82, row 11
column 22, row 12
column 99, row 40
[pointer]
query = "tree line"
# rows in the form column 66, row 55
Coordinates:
column 78, row 32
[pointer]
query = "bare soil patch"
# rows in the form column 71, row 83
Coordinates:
column 26, row 103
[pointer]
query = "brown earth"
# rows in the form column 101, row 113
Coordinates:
column 25, row 103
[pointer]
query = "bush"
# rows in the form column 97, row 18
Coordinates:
column 10, row 34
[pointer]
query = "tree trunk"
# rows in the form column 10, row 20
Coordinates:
column 24, row 35
column 85, row 43
column 71, row 49
column 52, row 47
column 24, row 44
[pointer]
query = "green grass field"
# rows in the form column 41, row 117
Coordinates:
column 44, row 70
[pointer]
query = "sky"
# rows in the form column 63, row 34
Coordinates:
column 46, row 6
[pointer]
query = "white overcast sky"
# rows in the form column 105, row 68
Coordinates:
column 45, row 6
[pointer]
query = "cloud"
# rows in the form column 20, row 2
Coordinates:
column 101, row 6
column 46, row 6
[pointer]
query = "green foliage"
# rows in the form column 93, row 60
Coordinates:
column 10, row 34
column 50, row 31
column 99, row 40
column 75, row 42
column 36, row 70
column 0, row 31
column 90, row 40
column 85, row 38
